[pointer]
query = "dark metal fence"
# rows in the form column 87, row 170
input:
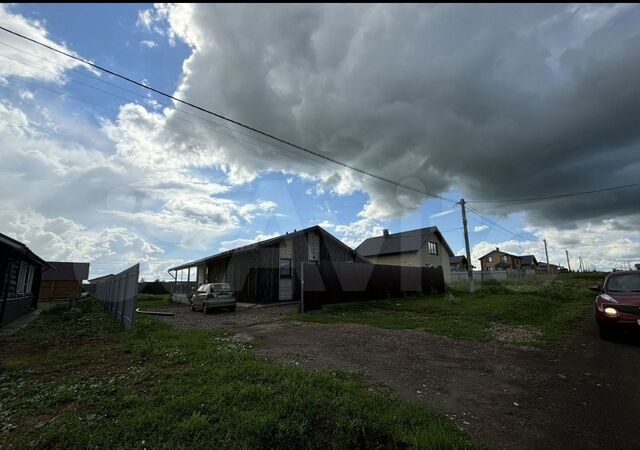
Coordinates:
column 337, row 282
column 119, row 294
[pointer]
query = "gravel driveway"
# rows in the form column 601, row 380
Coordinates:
column 185, row 318
column 584, row 394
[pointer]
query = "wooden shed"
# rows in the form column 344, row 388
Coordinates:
column 20, row 273
column 269, row 271
column 64, row 280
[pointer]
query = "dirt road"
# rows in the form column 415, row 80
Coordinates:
column 584, row 394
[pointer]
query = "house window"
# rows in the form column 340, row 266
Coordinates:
column 285, row 267
column 433, row 248
column 490, row 259
column 29, row 284
column 503, row 258
column 22, row 277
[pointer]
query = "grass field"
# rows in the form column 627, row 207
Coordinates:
column 73, row 379
column 548, row 310
column 151, row 302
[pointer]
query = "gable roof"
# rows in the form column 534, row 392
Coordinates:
column 267, row 243
column 404, row 242
column 67, row 271
column 457, row 259
column 22, row 249
column 527, row 260
column 499, row 251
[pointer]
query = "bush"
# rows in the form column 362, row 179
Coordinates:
column 154, row 288
column 494, row 287
column 450, row 298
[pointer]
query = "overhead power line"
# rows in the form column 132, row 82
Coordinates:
column 220, row 116
column 270, row 146
column 548, row 197
column 492, row 223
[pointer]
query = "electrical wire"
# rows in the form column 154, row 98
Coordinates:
column 220, row 116
column 492, row 223
column 555, row 196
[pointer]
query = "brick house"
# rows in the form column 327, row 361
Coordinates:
column 497, row 260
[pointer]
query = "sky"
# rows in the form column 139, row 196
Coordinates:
column 482, row 102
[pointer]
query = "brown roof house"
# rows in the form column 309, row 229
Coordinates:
column 415, row 248
column 458, row 263
column 497, row 260
column 64, row 280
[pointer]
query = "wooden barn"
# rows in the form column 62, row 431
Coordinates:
column 20, row 273
column 268, row 271
column 64, row 280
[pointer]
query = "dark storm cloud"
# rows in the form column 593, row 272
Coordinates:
column 498, row 101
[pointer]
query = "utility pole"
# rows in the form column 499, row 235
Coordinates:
column 568, row 263
column 547, row 253
column 466, row 244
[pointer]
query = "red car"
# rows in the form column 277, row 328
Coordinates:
column 617, row 306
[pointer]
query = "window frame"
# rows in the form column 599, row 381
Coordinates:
column 28, row 287
column 435, row 248
column 290, row 274
column 22, row 277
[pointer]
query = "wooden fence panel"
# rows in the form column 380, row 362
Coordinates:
column 335, row 282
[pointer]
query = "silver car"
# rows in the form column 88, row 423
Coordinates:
column 213, row 295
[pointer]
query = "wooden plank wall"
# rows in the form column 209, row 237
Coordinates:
column 59, row 289
column 252, row 274
column 334, row 282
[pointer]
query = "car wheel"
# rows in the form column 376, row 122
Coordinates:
column 205, row 309
column 606, row 333
column 193, row 307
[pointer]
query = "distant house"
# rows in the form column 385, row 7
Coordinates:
column 416, row 248
column 20, row 274
column 498, row 260
column 64, row 281
column 458, row 263
column 528, row 262
column 553, row 268
column 269, row 271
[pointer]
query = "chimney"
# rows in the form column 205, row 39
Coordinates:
column 497, row 249
column 385, row 233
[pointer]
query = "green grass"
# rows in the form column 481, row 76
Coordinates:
column 552, row 308
column 74, row 379
column 155, row 301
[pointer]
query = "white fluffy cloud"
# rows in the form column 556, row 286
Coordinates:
column 608, row 244
column 354, row 233
column 235, row 243
column 109, row 249
column 148, row 43
column 392, row 89
column 14, row 49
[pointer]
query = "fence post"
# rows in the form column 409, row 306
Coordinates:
column 301, row 308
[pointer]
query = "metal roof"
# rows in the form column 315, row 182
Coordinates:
column 404, row 242
column 264, row 243
column 457, row 259
column 527, row 260
column 66, row 271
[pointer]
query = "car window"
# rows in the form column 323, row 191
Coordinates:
column 221, row 286
column 202, row 288
column 624, row 283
